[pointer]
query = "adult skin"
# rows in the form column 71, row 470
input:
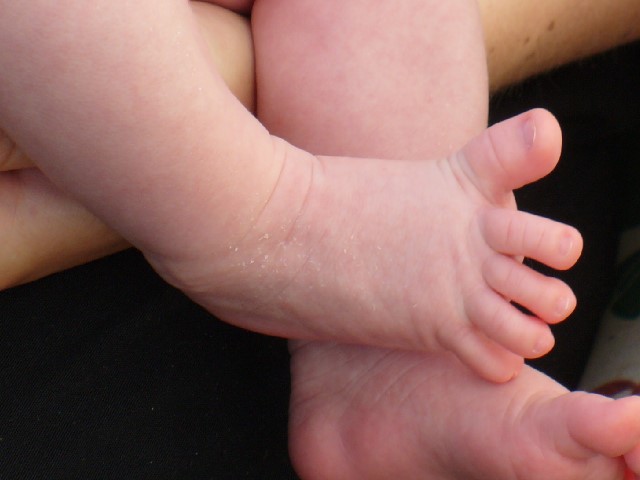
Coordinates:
column 526, row 38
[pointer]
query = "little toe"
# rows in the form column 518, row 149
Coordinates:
column 522, row 234
column 482, row 355
column 549, row 299
column 512, row 329
column 513, row 153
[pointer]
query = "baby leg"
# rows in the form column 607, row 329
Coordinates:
column 425, row 263
column 359, row 86
column 339, row 77
column 264, row 235
column 367, row 413
column 43, row 229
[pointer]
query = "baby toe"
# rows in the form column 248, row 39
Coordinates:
column 522, row 234
column 512, row 329
column 548, row 298
column 481, row 354
column 513, row 153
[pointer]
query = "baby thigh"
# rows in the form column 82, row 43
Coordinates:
column 386, row 79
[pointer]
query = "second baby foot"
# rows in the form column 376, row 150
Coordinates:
column 359, row 412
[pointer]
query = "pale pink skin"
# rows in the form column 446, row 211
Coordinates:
column 281, row 241
column 270, row 237
column 361, row 412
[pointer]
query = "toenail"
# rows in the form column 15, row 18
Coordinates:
column 566, row 245
column 529, row 132
column 543, row 345
column 563, row 305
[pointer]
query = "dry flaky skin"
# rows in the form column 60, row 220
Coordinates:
column 254, row 229
column 379, row 392
column 522, row 39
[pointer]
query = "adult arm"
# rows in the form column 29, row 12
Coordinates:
column 524, row 38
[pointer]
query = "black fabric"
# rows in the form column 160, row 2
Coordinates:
column 108, row 373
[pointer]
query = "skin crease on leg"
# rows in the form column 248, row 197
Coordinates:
column 285, row 211
column 314, row 410
column 62, row 233
column 70, row 235
column 347, row 118
column 366, row 413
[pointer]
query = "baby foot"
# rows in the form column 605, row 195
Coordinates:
column 361, row 412
column 421, row 255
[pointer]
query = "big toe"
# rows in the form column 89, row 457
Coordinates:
column 606, row 426
column 512, row 153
